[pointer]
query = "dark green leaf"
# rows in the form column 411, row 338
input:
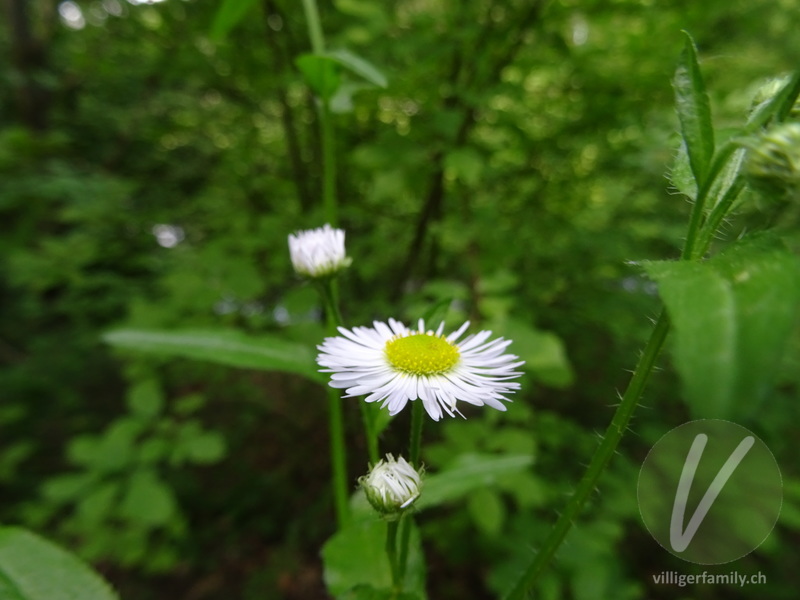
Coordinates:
column 356, row 557
column 732, row 316
column 694, row 112
column 321, row 73
column 228, row 15
column 31, row 568
column 367, row 592
column 227, row 347
column 469, row 472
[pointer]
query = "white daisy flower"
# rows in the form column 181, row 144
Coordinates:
column 393, row 364
column 318, row 252
column 392, row 485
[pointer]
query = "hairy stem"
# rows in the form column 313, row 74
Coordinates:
column 600, row 459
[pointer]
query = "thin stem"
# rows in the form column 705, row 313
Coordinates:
column 417, row 419
column 368, row 417
column 405, row 521
column 696, row 218
column 600, row 459
column 314, row 26
column 417, row 416
column 328, row 163
column 328, row 292
column 718, row 213
column 336, row 416
column 326, row 126
column 338, row 457
column 391, row 552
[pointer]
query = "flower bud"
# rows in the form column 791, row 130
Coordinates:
column 391, row 486
column 773, row 165
column 318, row 252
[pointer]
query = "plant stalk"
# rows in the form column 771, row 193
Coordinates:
column 600, row 459
column 417, row 419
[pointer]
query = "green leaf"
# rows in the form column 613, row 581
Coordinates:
column 680, row 175
column 145, row 399
column 31, row 568
column 228, row 15
column 732, row 316
column 367, row 592
column 226, row 347
column 359, row 66
column 355, row 557
column 205, row 447
column 694, row 111
column 468, row 473
column 148, row 500
column 543, row 352
column 321, row 73
column 487, row 511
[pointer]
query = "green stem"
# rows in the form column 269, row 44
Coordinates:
column 600, row 459
column 718, row 213
column 696, row 219
column 336, row 415
column 338, row 457
column 328, row 164
column 326, row 126
column 328, row 292
column 391, row 552
column 314, row 26
column 368, row 417
column 417, row 419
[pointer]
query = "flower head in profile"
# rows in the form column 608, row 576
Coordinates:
column 393, row 364
column 391, row 486
column 318, row 252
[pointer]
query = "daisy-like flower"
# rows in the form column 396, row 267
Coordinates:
column 391, row 486
column 318, row 252
column 393, row 364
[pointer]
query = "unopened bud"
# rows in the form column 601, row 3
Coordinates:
column 391, row 486
column 773, row 165
column 318, row 252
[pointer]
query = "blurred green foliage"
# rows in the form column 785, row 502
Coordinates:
column 152, row 163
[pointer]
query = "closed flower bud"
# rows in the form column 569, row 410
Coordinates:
column 391, row 486
column 773, row 166
column 318, row 252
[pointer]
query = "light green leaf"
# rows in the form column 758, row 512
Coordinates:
column 543, row 352
column 694, row 111
column 732, row 316
column 148, row 500
column 680, row 175
column 226, row 347
column 207, row 447
column 31, row 568
column 145, row 399
column 359, row 66
column 228, row 15
column 356, row 557
column 487, row 511
column 321, row 73
column 468, row 473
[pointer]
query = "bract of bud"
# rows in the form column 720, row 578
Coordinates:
column 318, row 252
column 773, row 164
column 391, row 486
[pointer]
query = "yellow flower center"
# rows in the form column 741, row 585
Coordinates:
column 422, row 354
